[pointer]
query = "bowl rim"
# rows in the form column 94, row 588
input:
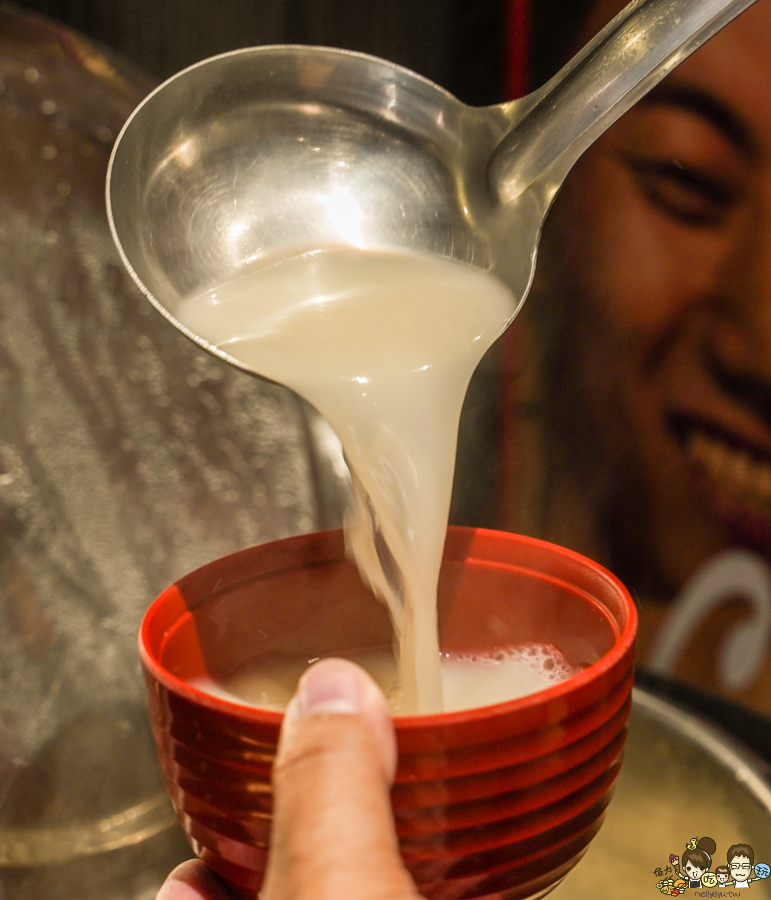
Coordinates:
column 574, row 684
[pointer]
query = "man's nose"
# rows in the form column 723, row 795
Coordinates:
column 740, row 349
column 746, row 281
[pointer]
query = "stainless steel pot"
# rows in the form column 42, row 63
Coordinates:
column 127, row 457
column 681, row 778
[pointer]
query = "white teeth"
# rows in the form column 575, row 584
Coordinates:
column 735, row 471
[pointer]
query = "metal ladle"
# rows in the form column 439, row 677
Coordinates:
column 271, row 149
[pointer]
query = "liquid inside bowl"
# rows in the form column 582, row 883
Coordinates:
column 290, row 615
column 469, row 680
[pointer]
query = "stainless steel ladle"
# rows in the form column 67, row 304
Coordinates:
column 271, row 149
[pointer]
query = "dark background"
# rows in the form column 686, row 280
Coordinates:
column 457, row 43
column 461, row 44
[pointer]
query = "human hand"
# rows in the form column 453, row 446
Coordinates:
column 333, row 833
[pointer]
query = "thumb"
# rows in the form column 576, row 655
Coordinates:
column 192, row 880
column 333, row 833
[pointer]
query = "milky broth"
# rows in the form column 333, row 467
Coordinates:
column 383, row 344
column 468, row 680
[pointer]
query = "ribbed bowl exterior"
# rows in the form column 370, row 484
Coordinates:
column 497, row 803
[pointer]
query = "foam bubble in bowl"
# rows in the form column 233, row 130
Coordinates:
column 472, row 680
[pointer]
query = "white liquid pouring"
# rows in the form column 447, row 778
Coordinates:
column 383, row 345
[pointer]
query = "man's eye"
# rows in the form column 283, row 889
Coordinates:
column 685, row 194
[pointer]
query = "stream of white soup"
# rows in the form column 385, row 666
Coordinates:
column 383, row 345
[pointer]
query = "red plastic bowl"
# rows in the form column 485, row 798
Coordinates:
column 494, row 802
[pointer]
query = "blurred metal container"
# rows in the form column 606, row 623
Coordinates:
column 127, row 457
column 681, row 778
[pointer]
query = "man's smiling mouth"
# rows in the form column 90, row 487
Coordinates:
column 742, row 476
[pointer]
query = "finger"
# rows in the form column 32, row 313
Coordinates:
column 333, row 833
column 192, row 880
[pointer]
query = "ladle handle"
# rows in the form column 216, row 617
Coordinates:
column 644, row 42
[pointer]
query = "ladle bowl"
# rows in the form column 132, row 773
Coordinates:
column 270, row 150
column 260, row 151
